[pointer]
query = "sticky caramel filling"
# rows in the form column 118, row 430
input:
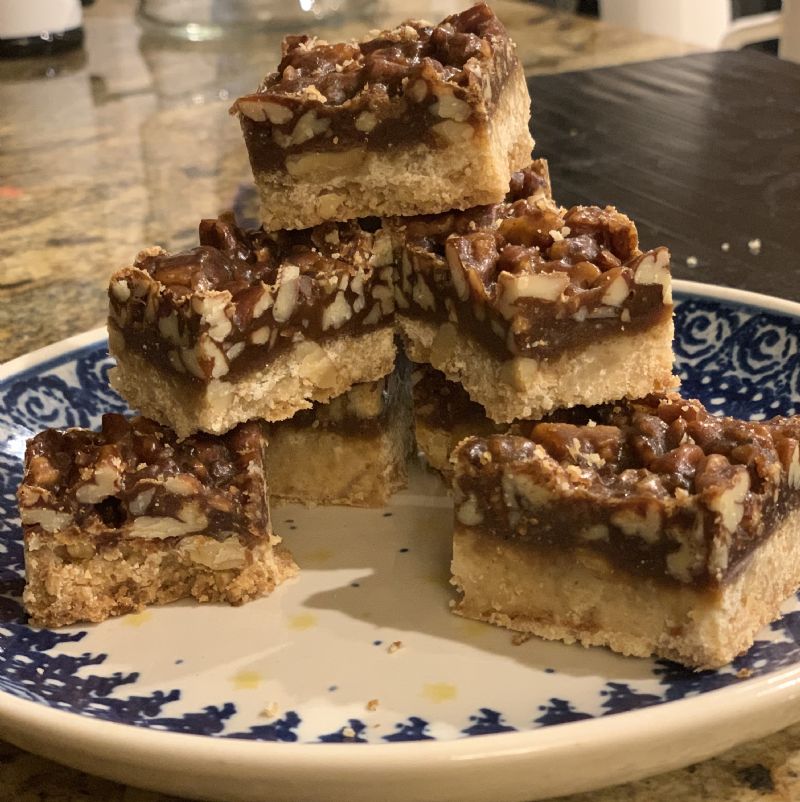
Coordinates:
column 658, row 487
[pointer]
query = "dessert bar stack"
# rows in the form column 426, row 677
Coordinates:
column 400, row 202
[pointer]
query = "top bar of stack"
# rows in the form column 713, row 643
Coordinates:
column 416, row 120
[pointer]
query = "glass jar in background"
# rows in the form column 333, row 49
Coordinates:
column 201, row 20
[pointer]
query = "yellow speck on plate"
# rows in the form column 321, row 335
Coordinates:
column 247, row 680
column 302, row 621
column 439, row 691
column 473, row 629
column 318, row 556
column 137, row 619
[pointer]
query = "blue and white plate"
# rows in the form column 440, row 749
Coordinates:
column 303, row 695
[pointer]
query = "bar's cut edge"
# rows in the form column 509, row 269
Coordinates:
column 615, row 367
column 469, row 171
column 575, row 595
column 309, row 371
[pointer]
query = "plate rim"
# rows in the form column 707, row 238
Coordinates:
column 718, row 708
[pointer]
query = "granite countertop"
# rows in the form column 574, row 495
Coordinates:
column 127, row 144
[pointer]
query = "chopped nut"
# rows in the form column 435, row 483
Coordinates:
column 449, row 106
column 422, row 294
column 337, row 313
column 260, row 336
column 366, row 121
column 49, row 520
column 545, row 286
column 372, row 705
column 634, row 524
column 107, row 481
column 120, row 290
column 653, row 268
column 288, row 288
column 307, row 127
column 263, row 303
column 213, row 309
column 616, row 292
column 395, row 646
column 418, row 90
column 42, row 472
column 214, row 355
column 730, row 502
column 183, row 484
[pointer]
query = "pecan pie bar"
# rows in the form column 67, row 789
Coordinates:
column 414, row 120
column 443, row 416
column 350, row 451
column 532, row 307
column 251, row 324
column 129, row 516
column 651, row 527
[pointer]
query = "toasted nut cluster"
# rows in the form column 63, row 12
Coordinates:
column 659, row 486
column 240, row 298
column 442, row 77
column 135, row 479
column 520, row 274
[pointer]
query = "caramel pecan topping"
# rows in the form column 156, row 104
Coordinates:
column 388, row 62
column 520, row 274
column 135, row 478
column 417, row 83
column 659, row 486
column 675, row 441
column 241, row 297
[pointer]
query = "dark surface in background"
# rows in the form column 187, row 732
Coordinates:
column 698, row 150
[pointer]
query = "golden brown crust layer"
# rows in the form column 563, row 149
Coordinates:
column 351, row 452
column 578, row 596
column 306, row 373
column 124, row 577
column 615, row 367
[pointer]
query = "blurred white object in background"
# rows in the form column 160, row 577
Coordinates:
column 708, row 23
column 20, row 18
column 34, row 27
column 789, row 47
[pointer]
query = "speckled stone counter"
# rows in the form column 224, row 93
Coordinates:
column 128, row 144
